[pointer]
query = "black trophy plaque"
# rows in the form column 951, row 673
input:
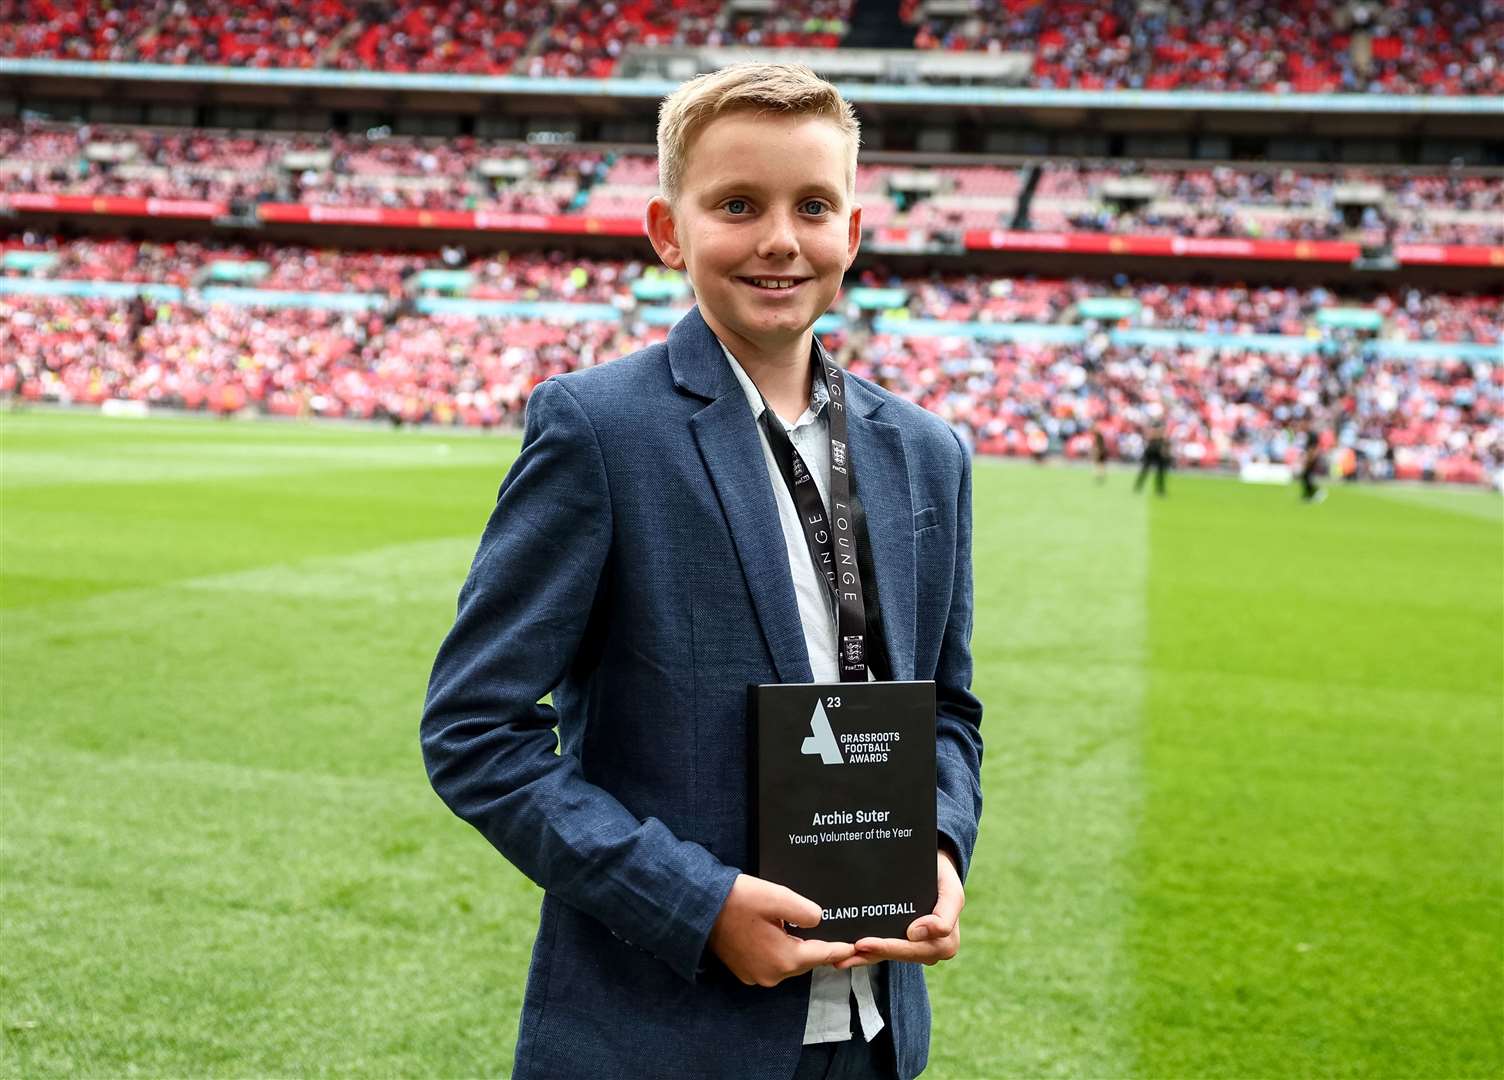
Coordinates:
column 843, row 783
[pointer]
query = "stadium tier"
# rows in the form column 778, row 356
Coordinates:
column 260, row 169
column 1406, row 385
column 1283, row 46
column 1287, row 46
column 289, row 275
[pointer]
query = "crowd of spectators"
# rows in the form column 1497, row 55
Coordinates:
column 1226, row 308
column 1375, row 46
column 1281, row 46
column 391, row 274
column 464, row 37
column 1410, row 314
column 588, row 39
column 464, row 173
column 481, row 37
column 291, row 361
column 369, row 170
column 1221, row 407
column 1447, row 206
column 114, row 260
column 804, row 24
column 1441, row 419
column 1223, row 403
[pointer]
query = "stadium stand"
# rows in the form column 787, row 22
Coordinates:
column 488, row 37
column 1412, row 420
column 1284, row 46
column 1226, row 400
column 333, row 170
column 1412, row 314
column 799, row 24
column 1222, row 406
column 1379, row 207
column 1437, row 206
column 1248, row 45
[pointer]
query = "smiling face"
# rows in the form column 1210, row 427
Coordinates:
column 764, row 226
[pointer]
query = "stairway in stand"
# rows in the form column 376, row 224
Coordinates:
column 875, row 24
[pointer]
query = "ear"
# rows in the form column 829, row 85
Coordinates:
column 854, row 234
column 663, row 232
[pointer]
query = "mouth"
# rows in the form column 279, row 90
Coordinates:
column 778, row 283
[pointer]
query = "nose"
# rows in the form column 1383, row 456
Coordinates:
column 779, row 238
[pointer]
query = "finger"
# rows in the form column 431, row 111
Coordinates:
column 928, row 928
column 919, row 952
column 909, row 951
column 941, row 923
column 813, row 954
column 857, row 961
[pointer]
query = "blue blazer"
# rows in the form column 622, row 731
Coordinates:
column 634, row 566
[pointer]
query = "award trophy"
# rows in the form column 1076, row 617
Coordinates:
column 843, row 783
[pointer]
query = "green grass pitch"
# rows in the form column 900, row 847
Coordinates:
column 1245, row 795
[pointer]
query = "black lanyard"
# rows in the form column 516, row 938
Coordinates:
column 832, row 543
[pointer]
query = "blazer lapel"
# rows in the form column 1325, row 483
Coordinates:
column 882, row 482
column 726, row 435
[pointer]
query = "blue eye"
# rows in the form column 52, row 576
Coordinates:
column 736, row 206
column 819, row 206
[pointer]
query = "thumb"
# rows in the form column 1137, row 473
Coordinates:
column 951, row 898
column 949, row 901
column 792, row 908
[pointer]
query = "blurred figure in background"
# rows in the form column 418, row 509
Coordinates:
column 1156, row 457
column 1310, row 462
column 1099, row 454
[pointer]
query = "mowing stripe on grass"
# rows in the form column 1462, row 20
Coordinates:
column 129, row 463
column 1319, row 886
column 391, row 574
column 396, row 573
column 1043, row 985
column 1482, row 504
column 284, row 666
column 196, row 918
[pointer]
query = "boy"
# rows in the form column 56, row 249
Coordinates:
column 645, row 561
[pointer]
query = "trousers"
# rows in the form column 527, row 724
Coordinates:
column 854, row 1059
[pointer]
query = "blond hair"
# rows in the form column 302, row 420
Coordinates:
column 780, row 89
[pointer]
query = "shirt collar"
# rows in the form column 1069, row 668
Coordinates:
column 817, row 395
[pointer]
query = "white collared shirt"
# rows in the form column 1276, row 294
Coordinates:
column 829, row 1018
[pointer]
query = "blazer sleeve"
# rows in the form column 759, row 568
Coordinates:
column 958, row 713
column 489, row 743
